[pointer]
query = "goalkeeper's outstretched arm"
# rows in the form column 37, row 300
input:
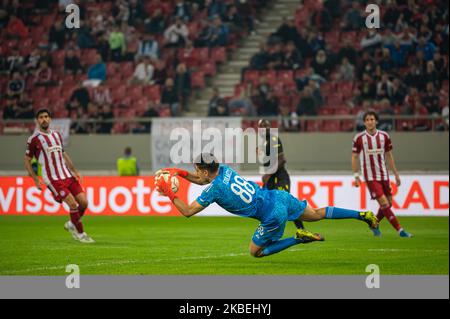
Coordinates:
column 187, row 210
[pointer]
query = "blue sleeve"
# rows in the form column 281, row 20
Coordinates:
column 207, row 197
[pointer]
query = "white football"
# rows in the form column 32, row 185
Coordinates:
column 175, row 183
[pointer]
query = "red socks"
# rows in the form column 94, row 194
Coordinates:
column 76, row 220
column 386, row 211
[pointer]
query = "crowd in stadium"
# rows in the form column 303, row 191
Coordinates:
column 149, row 55
column 146, row 55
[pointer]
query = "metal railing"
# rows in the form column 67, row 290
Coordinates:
column 304, row 123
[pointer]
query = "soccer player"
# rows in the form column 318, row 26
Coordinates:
column 280, row 179
column 58, row 172
column 374, row 148
column 273, row 208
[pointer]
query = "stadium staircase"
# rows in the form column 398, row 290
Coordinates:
column 229, row 74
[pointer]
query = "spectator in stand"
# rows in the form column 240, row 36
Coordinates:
column 288, row 121
column 431, row 75
column 143, row 73
column 270, row 105
column 371, row 40
column 222, row 109
column 157, row 22
column 385, row 109
column 398, row 92
column 150, row 112
column 120, row 11
column 322, row 65
column 427, row 47
column 81, row 95
column 414, row 76
column 43, row 75
column 366, row 65
column 177, row 34
column 292, row 59
column 214, row 101
column 117, row 44
column 183, row 85
column 160, row 73
column 72, row 63
column 9, row 111
column 24, row 108
column 386, row 86
column 406, row 37
column 234, row 20
column 412, row 101
column 322, row 18
column 263, row 87
column 441, row 66
column 84, row 36
column 391, row 15
column 135, row 12
column 315, row 42
column 368, row 88
column 398, row 53
column 353, row 19
column 102, row 95
column 15, row 62
column 57, row 35
column 170, row 97
column 307, row 105
column 359, row 123
column 219, row 33
column 287, row 32
column 97, row 71
column 420, row 61
column 445, row 115
column 346, row 70
column 16, row 86
column 315, row 89
column 386, row 62
column 260, row 59
column 16, row 28
column 348, row 51
column 276, row 57
column 32, row 61
column 431, row 99
column 242, row 104
column 104, row 114
column 215, row 7
column 182, row 11
column 421, row 125
column 148, row 47
column 102, row 46
column 79, row 124
column 389, row 38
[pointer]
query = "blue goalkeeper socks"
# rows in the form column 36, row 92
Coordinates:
column 332, row 212
column 280, row 245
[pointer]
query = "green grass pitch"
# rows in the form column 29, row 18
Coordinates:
column 38, row 245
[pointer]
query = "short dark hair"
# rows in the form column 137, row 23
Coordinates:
column 43, row 110
column 371, row 113
column 207, row 161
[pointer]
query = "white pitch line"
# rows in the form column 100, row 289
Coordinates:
column 126, row 262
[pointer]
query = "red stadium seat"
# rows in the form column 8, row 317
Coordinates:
column 198, row 80
column 287, row 77
column 135, row 92
column 209, row 68
column 330, row 126
column 153, row 93
column 251, row 76
column 219, row 55
column 271, row 76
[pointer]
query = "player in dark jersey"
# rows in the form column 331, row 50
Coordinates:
column 280, row 180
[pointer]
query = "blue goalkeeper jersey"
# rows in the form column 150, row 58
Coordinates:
column 237, row 195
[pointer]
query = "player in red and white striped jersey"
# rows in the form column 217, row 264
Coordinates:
column 58, row 172
column 374, row 149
